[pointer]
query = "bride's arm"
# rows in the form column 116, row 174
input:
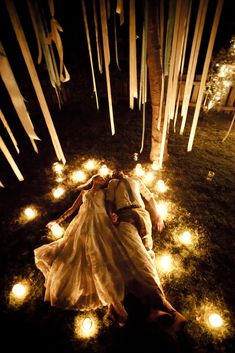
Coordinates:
column 77, row 203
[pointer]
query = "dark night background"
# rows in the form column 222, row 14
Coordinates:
column 205, row 207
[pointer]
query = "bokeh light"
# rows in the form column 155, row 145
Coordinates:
column 86, row 326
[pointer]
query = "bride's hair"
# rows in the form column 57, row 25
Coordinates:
column 89, row 183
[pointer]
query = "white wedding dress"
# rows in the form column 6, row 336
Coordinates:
column 80, row 269
column 96, row 263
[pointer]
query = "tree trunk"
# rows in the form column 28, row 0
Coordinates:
column 154, row 64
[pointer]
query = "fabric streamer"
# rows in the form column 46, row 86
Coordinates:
column 10, row 160
column 205, row 73
column 202, row 10
column 34, row 77
column 97, row 37
column 180, row 77
column 143, row 74
column 54, row 36
column 16, row 98
column 7, row 127
column 120, row 11
column 107, row 60
column 132, row 55
column 90, row 52
column 41, row 34
column 115, row 39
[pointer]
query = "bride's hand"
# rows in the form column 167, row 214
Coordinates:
column 51, row 224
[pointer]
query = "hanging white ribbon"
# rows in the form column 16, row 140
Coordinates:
column 188, row 15
column 120, row 11
column 201, row 16
column 90, row 52
column 7, row 127
column 47, row 49
column 205, row 73
column 107, row 61
column 34, row 77
column 1, row 185
column 16, row 97
column 143, row 73
column 10, row 160
column 132, row 55
column 115, row 39
column 97, row 37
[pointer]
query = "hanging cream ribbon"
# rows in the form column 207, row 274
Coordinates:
column 201, row 16
column 182, row 28
column 120, row 11
column 230, row 128
column 97, row 37
column 188, row 15
column 108, row 8
column 41, row 40
column 16, row 97
column 205, row 73
column 47, row 49
column 10, row 160
column 34, row 77
column 115, row 39
column 106, row 61
column 143, row 73
column 54, row 36
column 90, row 52
column 7, row 127
column 1, row 185
column 132, row 55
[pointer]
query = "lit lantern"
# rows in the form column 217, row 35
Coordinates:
column 215, row 320
column 139, row 170
column 57, row 231
column 161, row 186
column 186, row 238
column 149, row 176
column 87, row 324
column 85, row 327
column 162, row 210
column 30, row 213
column 59, row 179
column 90, row 164
column 78, row 176
column 58, row 192
column 104, row 170
column 58, row 167
column 19, row 291
column 155, row 166
column 165, row 263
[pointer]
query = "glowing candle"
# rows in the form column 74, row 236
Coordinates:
column 215, row 320
column 30, row 213
column 19, row 290
column 58, row 192
column 87, row 324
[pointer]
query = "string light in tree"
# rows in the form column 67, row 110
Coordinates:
column 221, row 77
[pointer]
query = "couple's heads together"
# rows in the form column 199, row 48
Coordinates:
column 102, row 181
